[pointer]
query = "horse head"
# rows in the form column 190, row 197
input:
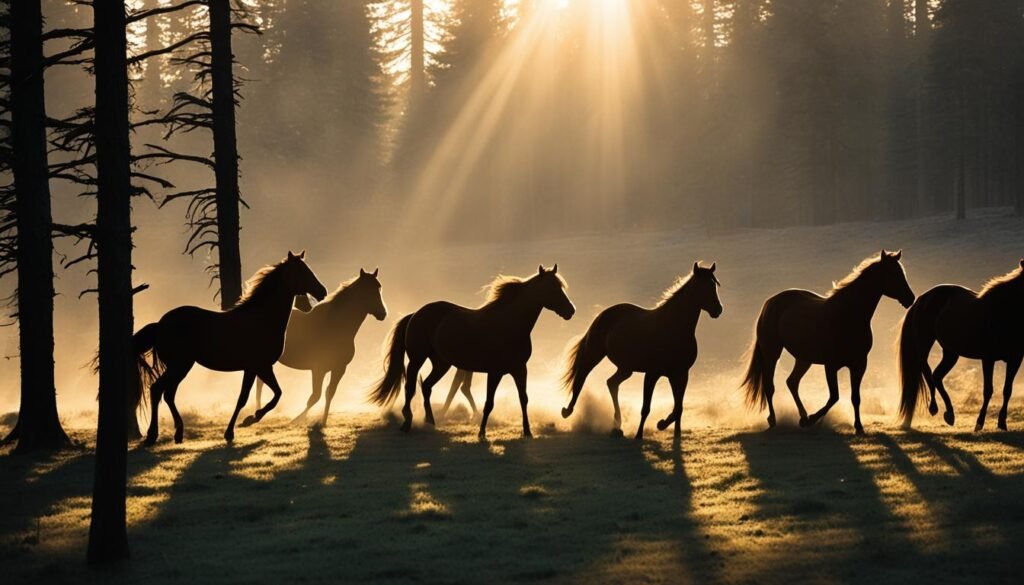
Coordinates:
column 707, row 289
column 550, row 289
column 299, row 278
column 894, row 278
column 368, row 291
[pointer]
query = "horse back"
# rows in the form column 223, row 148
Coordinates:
column 972, row 326
column 643, row 340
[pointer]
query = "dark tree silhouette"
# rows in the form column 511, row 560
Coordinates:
column 29, row 249
column 113, row 237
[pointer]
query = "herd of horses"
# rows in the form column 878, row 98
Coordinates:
column 274, row 321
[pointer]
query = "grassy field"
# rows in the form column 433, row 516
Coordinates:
column 361, row 502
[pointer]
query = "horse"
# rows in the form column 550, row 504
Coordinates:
column 660, row 342
column 248, row 337
column 494, row 339
column 832, row 330
column 987, row 325
column 463, row 380
column 321, row 339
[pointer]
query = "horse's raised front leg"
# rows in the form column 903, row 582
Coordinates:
column 412, row 372
column 946, row 364
column 1012, row 365
column 492, row 386
column 987, row 367
column 519, row 377
column 831, row 377
column 248, row 378
column 793, row 383
column 678, row 383
column 268, row 377
column 856, row 376
column 649, row 382
column 332, row 387
column 437, row 371
column 614, row 382
column 317, row 376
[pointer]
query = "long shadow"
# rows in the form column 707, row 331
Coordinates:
column 429, row 508
column 825, row 505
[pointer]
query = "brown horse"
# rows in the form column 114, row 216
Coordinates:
column 249, row 337
column 832, row 330
column 494, row 338
column 321, row 339
column 659, row 342
column 987, row 326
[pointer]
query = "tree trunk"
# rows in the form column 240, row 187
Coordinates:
column 38, row 424
column 418, row 62
column 922, row 33
column 107, row 532
column 225, row 153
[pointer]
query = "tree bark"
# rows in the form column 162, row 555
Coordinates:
column 418, row 62
column 108, row 540
column 38, row 424
column 225, row 153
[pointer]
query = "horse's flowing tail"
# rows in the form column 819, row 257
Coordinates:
column 386, row 390
column 755, row 380
column 572, row 365
column 148, row 363
column 916, row 337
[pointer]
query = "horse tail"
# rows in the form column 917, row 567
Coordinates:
column 386, row 390
column 584, row 354
column 572, row 365
column 148, row 364
column 755, row 379
column 916, row 337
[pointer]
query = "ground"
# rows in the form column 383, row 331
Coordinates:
column 358, row 501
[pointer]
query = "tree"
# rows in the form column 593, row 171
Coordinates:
column 29, row 251
column 113, row 234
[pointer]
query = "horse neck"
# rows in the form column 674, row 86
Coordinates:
column 343, row 313
column 683, row 309
column 860, row 296
column 524, row 311
column 274, row 306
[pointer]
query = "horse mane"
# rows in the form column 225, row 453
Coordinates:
column 854, row 274
column 997, row 283
column 258, row 283
column 504, row 286
column 342, row 288
column 673, row 290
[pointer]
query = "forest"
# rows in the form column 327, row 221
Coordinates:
column 156, row 153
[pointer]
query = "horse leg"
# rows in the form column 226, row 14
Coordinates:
column 437, row 371
column 793, row 383
column 649, row 382
column 332, row 387
column 259, row 393
column 519, row 377
column 267, row 375
column 1012, row 365
column 456, row 382
column 831, row 376
column 467, row 386
column 771, row 361
column 165, row 387
column 986, row 392
column 929, row 380
column 678, row 383
column 492, row 387
column 949, row 360
column 318, row 383
column 248, row 378
column 412, row 372
column 856, row 376
column 614, row 382
column 156, row 391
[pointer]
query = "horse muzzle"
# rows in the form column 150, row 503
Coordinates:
column 716, row 312
column 319, row 294
column 381, row 315
column 567, row 314
column 908, row 301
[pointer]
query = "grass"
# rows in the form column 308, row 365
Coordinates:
column 361, row 502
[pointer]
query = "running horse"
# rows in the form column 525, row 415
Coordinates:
column 832, row 330
column 987, row 326
column 660, row 342
column 248, row 337
column 494, row 339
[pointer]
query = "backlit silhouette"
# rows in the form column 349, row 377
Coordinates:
column 659, row 342
column 832, row 330
column 463, row 381
column 988, row 326
column 322, row 339
column 249, row 337
column 494, row 338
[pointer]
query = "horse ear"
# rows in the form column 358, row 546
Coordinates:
column 290, row 255
column 897, row 255
column 362, row 272
column 713, row 267
column 375, row 271
column 695, row 266
column 881, row 255
column 540, row 269
column 302, row 254
column 555, row 269
column 1022, row 262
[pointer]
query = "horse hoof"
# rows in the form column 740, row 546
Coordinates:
column 1002, row 425
column 430, row 421
column 807, row 422
column 639, row 437
column 179, row 438
column 229, row 437
column 949, row 417
column 933, row 409
column 406, row 426
column 527, row 434
column 978, row 427
column 663, row 424
column 617, row 433
column 150, row 440
column 249, row 421
column 566, row 412
column 771, row 422
column 482, row 436
column 859, row 430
